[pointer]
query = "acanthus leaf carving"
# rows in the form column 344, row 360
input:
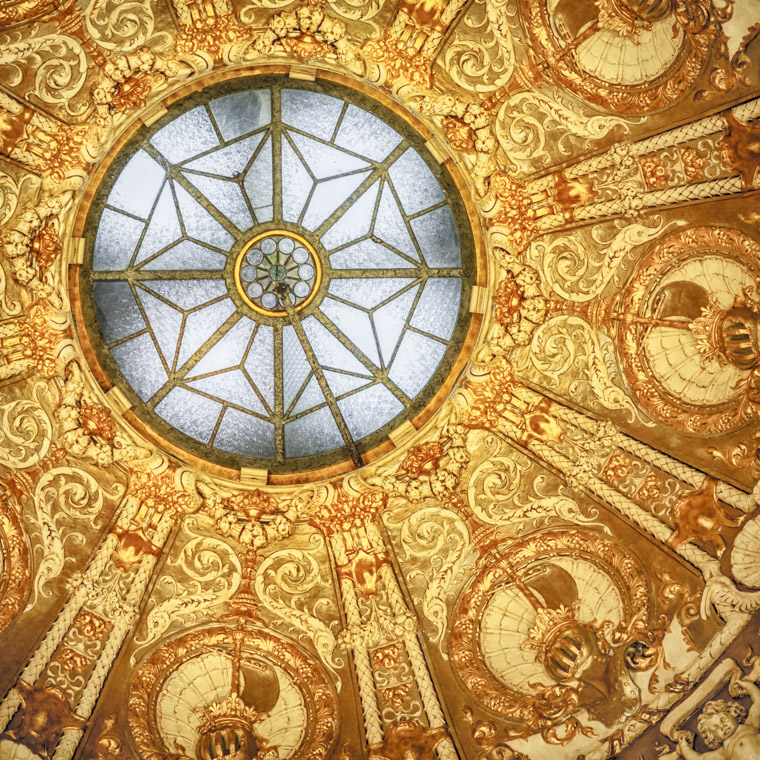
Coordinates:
column 124, row 25
column 569, row 341
column 213, row 572
column 64, row 496
column 580, row 273
column 441, row 537
column 526, row 119
column 280, row 580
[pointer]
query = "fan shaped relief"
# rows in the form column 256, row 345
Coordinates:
column 626, row 55
column 688, row 336
column 551, row 633
column 244, row 692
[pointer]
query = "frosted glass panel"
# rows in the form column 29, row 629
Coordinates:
column 227, row 352
column 391, row 319
column 241, row 433
column 415, row 184
column 260, row 363
column 226, row 196
column 329, row 351
column 368, row 255
column 296, row 183
column 329, row 195
column 295, row 366
column 355, row 325
column 324, row 161
column 259, row 180
column 190, row 413
column 229, row 161
column 340, row 382
column 311, row 112
column 199, row 223
column 141, row 365
column 188, row 135
column 230, row 386
column 438, row 307
column 313, row 434
column 118, row 313
column 437, row 235
column 163, row 228
column 137, row 186
column 242, row 112
column 370, row 292
column 355, row 222
column 116, row 241
column 355, row 130
column 187, row 294
column 310, row 397
column 390, row 226
column 368, row 410
column 165, row 323
column 187, row 256
column 201, row 325
column 417, row 359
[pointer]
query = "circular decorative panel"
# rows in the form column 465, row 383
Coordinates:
column 277, row 273
column 219, row 690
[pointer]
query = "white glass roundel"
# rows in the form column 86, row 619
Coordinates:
column 277, row 273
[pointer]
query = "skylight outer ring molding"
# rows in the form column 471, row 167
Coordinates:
column 439, row 386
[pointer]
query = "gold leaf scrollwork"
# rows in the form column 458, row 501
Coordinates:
column 212, row 571
column 281, row 580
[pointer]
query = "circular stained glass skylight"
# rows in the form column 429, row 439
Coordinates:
column 277, row 274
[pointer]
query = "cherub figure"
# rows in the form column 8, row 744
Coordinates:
column 728, row 729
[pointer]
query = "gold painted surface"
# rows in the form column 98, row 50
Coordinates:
column 560, row 562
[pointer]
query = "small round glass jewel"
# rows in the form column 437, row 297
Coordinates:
column 278, row 273
column 268, row 246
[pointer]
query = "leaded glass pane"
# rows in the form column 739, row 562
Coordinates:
column 241, row 433
column 139, row 362
column 226, row 196
column 229, row 161
column 137, row 186
column 118, row 312
column 311, row 112
column 163, row 228
column 367, row 410
column 242, row 112
column 193, row 414
column 186, row 136
column 277, row 273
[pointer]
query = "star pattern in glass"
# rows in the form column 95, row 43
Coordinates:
column 277, row 273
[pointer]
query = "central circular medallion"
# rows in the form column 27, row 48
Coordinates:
column 275, row 265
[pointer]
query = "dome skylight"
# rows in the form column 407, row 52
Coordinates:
column 279, row 274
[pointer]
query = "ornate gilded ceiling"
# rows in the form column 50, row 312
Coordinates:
column 556, row 558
